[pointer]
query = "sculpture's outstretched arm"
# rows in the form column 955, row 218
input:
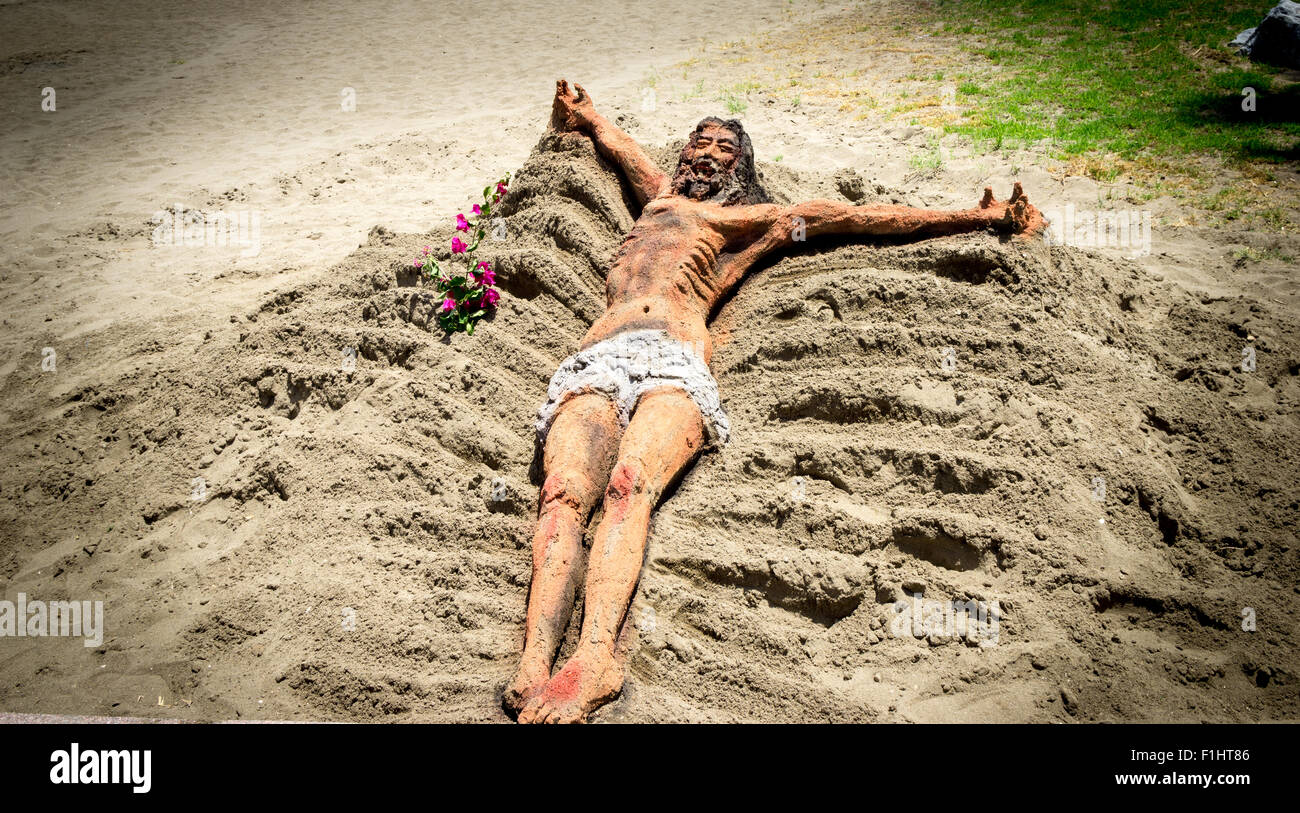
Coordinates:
column 573, row 110
column 764, row 228
column 822, row 217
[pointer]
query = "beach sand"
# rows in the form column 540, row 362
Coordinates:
column 361, row 551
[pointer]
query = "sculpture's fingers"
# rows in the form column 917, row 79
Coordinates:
column 987, row 200
column 1016, row 193
column 582, row 92
column 1033, row 220
column 1019, row 213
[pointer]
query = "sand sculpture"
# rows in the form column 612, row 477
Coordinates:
column 631, row 410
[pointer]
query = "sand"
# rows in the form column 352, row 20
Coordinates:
column 361, row 548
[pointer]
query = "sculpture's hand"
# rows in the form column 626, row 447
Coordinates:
column 1014, row 215
column 572, row 109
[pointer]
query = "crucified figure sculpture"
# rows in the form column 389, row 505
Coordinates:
column 630, row 411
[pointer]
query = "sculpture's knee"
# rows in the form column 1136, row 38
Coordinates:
column 566, row 489
column 627, row 482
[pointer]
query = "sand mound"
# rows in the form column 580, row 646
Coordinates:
column 361, row 550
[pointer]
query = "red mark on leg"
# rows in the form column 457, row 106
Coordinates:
column 618, row 496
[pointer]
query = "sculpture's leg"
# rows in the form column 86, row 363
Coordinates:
column 664, row 436
column 576, row 460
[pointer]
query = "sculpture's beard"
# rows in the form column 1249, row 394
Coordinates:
column 704, row 179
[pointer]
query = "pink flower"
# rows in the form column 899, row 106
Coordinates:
column 477, row 210
column 458, row 246
column 426, row 250
column 448, row 304
column 488, row 277
column 461, row 223
column 501, row 189
column 490, row 297
column 417, row 263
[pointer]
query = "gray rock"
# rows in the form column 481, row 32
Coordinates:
column 1276, row 40
column 1241, row 43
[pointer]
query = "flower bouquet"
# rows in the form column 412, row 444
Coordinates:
column 466, row 294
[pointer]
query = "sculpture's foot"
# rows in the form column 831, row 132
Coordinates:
column 588, row 681
column 527, row 684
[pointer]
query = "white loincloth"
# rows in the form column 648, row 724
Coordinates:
column 626, row 366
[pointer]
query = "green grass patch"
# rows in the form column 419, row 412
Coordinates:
column 930, row 161
column 1141, row 78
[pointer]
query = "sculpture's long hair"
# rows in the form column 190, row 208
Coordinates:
column 742, row 186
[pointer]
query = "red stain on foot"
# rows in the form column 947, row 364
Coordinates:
column 564, row 686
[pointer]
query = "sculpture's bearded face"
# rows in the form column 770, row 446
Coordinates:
column 707, row 167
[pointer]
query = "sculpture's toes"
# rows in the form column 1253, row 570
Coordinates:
column 543, row 710
column 531, row 711
column 1017, row 192
column 516, row 698
column 987, row 200
column 527, row 683
column 566, row 714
